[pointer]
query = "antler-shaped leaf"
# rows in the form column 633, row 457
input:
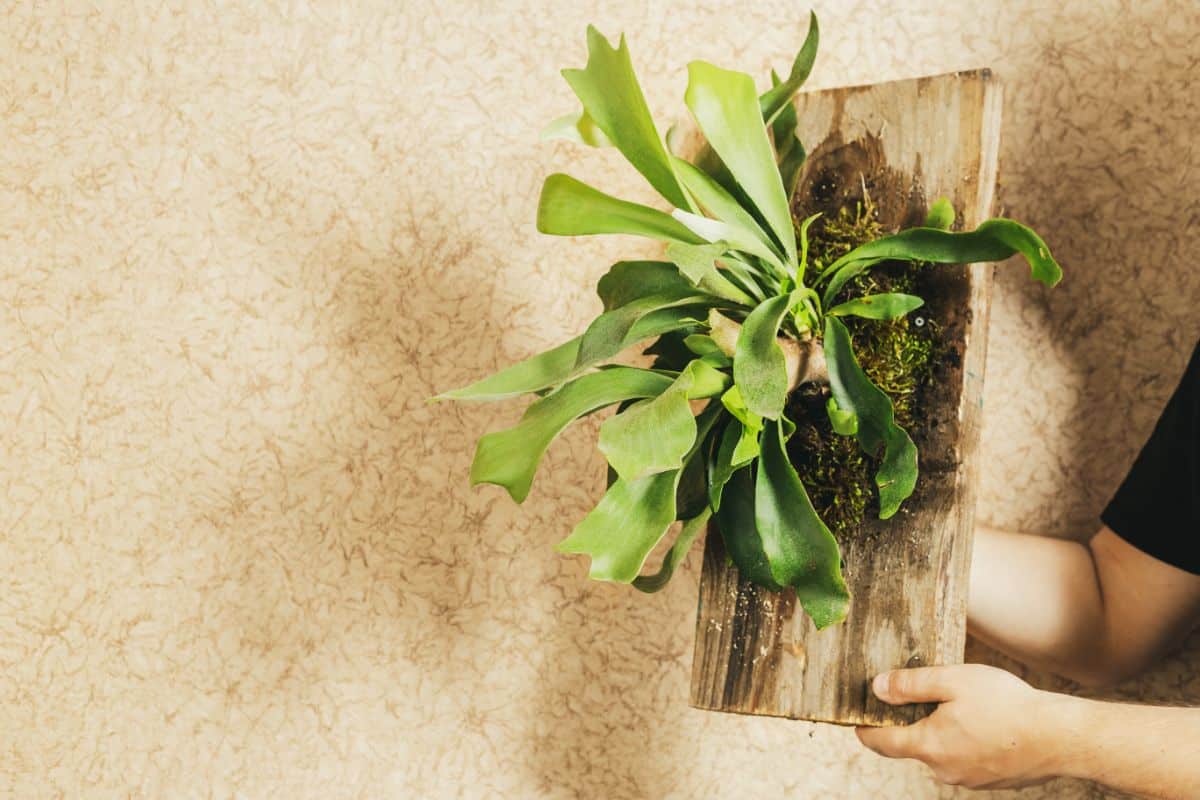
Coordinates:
column 994, row 240
column 613, row 100
column 655, row 435
column 726, row 108
column 631, row 518
column 799, row 548
column 777, row 112
column 775, row 537
column 759, row 365
column 509, row 458
column 625, row 526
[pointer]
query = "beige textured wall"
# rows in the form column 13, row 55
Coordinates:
column 241, row 243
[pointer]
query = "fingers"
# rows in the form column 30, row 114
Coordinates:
column 901, row 742
column 919, row 685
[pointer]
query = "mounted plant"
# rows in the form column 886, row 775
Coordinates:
column 738, row 315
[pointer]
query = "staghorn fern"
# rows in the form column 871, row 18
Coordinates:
column 737, row 321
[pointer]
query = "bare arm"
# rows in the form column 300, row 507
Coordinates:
column 992, row 730
column 1095, row 613
column 1146, row 750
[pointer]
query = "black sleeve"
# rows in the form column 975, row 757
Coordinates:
column 1157, row 508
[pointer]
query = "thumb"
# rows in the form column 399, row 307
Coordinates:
column 919, row 685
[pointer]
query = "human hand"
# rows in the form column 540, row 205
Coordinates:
column 991, row 730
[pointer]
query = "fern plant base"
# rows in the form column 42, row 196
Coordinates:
column 897, row 146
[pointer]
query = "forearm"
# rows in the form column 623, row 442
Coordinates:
column 1095, row 613
column 1039, row 600
column 1146, row 750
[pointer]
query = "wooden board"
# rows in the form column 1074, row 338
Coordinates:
column 908, row 143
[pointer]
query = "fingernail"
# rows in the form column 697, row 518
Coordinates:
column 879, row 685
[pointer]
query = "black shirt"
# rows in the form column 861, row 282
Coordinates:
column 1157, row 508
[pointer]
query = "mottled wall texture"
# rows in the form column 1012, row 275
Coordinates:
column 241, row 243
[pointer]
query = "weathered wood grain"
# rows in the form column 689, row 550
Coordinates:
column 907, row 143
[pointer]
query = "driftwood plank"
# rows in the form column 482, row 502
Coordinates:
column 907, row 143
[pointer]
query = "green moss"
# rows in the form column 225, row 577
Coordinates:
column 898, row 356
column 831, row 238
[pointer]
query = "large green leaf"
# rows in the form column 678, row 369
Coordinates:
column 779, row 96
column 560, row 363
column 509, row 458
column 759, row 366
column 994, row 240
column 655, row 435
column 633, row 516
column 774, row 104
column 800, row 550
column 726, row 108
column 569, row 207
column 611, row 96
column 625, row 526
column 679, row 550
column 854, row 393
column 887, row 305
